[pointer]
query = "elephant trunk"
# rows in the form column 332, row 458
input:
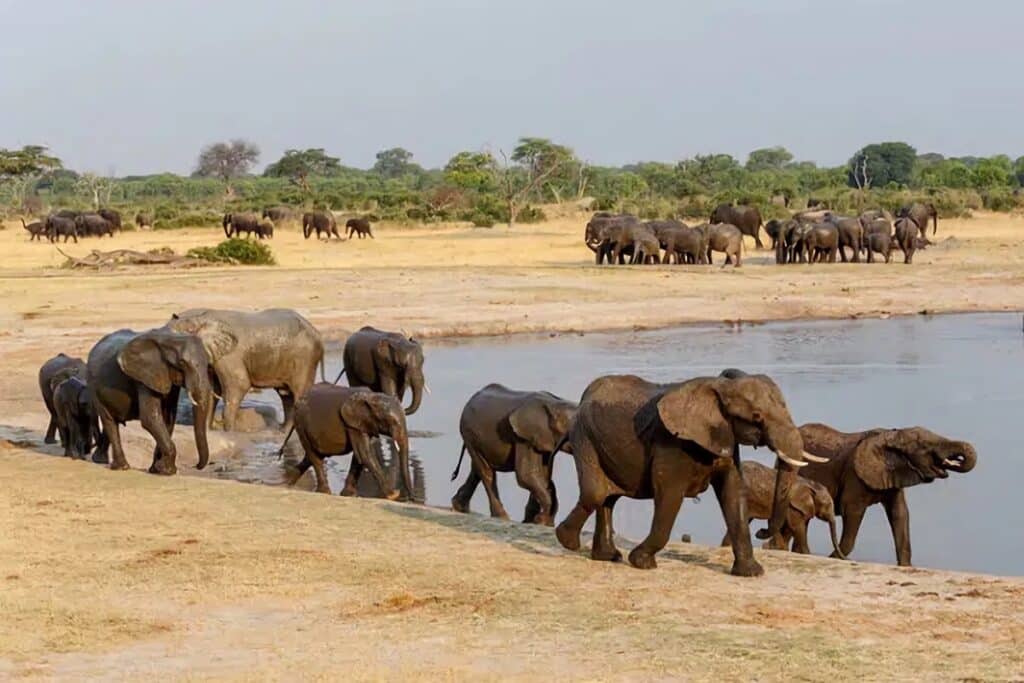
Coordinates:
column 400, row 436
column 789, row 447
column 831, row 519
column 200, row 392
column 963, row 460
column 417, row 384
column 200, row 426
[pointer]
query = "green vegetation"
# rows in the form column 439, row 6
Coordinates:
column 497, row 187
column 236, row 251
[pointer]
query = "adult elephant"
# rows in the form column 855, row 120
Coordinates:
column 387, row 362
column 143, row 220
column 638, row 439
column 272, row 349
column 724, row 238
column 76, row 416
column 685, row 244
column 358, row 226
column 333, row 420
column 138, row 376
column 58, row 226
column 746, row 218
column 505, row 430
column 93, row 225
column 906, row 230
column 603, row 232
column 821, row 242
column 851, row 235
column 112, row 216
column 321, row 222
column 278, row 214
column 51, row 373
column 921, row 214
column 237, row 223
column 872, row 467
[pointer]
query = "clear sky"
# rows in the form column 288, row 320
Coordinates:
column 138, row 86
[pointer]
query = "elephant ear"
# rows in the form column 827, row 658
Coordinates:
column 532, row 423
column 693, row 412
column 801, row 499
column 142, row 360
column 218, row 339
column 881, row 465
column 386, row 352
column 363, row 412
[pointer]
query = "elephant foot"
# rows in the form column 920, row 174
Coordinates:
column 348, row 491
column 543, row 520
column 606, row 554
column 746, row 568
column 163, row 470
column 459, row 506
column 120, row 465
column 50, row 440
column 836, row 556
column 100, row 458
column 641, row 559
column 569, row 539
column 394, row 494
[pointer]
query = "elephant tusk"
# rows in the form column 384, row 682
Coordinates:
column 426, row 387
column 790, row 461
column 815, row 458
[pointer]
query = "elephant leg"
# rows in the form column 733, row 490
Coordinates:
column 169, row 414
column 668, row 498
column 799, row 529
column 856, row 252
column 111, row 442
column 363, row 450
column 355, row 470
column 530, row 473
column 51, row 430
column 152, row 417
column 899, row 521
column 728, row 485
column 486, row 474
column 233, row 395
column 460, row 501
column 853, row 515
column 300, row 470
column 593, row 492
column 842, row 253
column 757, row 240
column 313, row 459
column 604, row 549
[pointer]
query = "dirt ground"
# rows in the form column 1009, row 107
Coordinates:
column 125, row 575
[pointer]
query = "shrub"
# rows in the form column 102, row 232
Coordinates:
column 189, row 220
column 236, row 251
column 530, row 214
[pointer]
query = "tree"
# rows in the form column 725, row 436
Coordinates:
column 96, row 187
column 769, row 159
column 299, row 165
column 472, row 171
column 227, row 161
column 394, row 163
column 994, row 171
column 880, row 164
column 21, row 169
column 533, row 161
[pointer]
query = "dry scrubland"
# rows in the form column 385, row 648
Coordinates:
column 125, row 574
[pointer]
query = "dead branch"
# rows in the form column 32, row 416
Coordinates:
column 102, row 260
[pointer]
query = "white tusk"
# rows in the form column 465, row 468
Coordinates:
column 786, row 459
column 814, row 458
column 426, row 387
column 951, row 462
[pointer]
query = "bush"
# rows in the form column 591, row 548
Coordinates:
column 236, row 251
column 189, row 220
column 530, row 214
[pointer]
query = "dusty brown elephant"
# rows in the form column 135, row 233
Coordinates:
column 322, row 222
column 642, row 440
column 921, row 214
column 906, row 230
column 821, row 243
column 237, row 223
column 724, row 238
column 505, row 430
column 746, row 218
column 872, row 467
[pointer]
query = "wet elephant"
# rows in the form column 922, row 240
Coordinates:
column 51, row 373
column 746, row 218
column 388, row 362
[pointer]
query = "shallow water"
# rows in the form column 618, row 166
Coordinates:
column 960, row 376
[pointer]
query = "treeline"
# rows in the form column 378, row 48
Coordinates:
column 488, row 188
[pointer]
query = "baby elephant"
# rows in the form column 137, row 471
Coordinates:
column 807, row 499
column 358, row 226
column 332, row 420
column 76, row 416
column 879, row 243
column 513, row 431
column 265, row 230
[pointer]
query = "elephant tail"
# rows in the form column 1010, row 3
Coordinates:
column 340, row 375
column 323, row 368
column 458, row 465
column 280, row 451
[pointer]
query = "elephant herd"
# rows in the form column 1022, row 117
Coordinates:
column 323, row 223
column 627, row 437
column 813, row 236
column 74, row 224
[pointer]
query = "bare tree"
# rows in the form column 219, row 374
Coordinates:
column 533, row 161
column 227, row 161
column 97, row 187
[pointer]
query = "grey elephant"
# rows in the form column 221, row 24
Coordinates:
column 505, row 430
column 851, row 235
column 278, row 214
column 143, row 219
column 638, row 439
column 746, row 218
column 873, row 467
column 637, row 239
column 684, row 244
column 921, row 214
column 332, row 420
column 358, row 226
column 879, row 243
column 322, row 222
column 237, row 223
column 807, row 500
column 724, row 238
column 76, row 416
column 603, row 232
column 387, row 362
column 821, row 242
column 138, row 376
column 36, row 230
column 93, row 225
column 51, row 373
column 272, row 349
column 112, row 216
column 61, row 226
column 906, row 234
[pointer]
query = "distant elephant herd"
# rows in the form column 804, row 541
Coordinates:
column 813, row 236
column 74, row 224
column 628, row 437
column 323, row 223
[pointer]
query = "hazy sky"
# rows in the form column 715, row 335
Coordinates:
column 138, row 86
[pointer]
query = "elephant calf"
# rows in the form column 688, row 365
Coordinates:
column 807, row 500
column 725, row 238
column 358, row 226
column 76, row 416
column 879, row 243
column 52, row 373
column 504, row 430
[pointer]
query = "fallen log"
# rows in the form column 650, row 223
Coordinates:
column 99, row 260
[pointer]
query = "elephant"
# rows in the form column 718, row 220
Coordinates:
column 603, row 232
column 874, row 466
column 332, row 420
column 807, row 500
column 821, row 243
column 360, row 226
column 872, row 215
column 851, row 234
column 746, row 218
column 635, row 238
column 138, row 376
column 387, row 362
column 272, row 349
column 61, row 226
column 643, row 440
column 505, row 430
column 687, row 245
column 879, row 243
column 52, row 372
column 36, row 230
column 76, row 416
column 725, row 238
column 237, row 223
column 646, row 247
column 93, row 225
column 278, row 214
column 790, row 247
column 143, row 220
column 810, row 217
column 321, row 222
column 906, row 237
column 112, row 216
column 774, row 229
column 920, row 213
column 265, row 230
column 68, row 213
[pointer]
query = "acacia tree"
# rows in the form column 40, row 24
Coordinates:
column 21, row 169
column 300, row 164
column 880, row 164
column 394, row 163
column 227, row 161
column 533, row 161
